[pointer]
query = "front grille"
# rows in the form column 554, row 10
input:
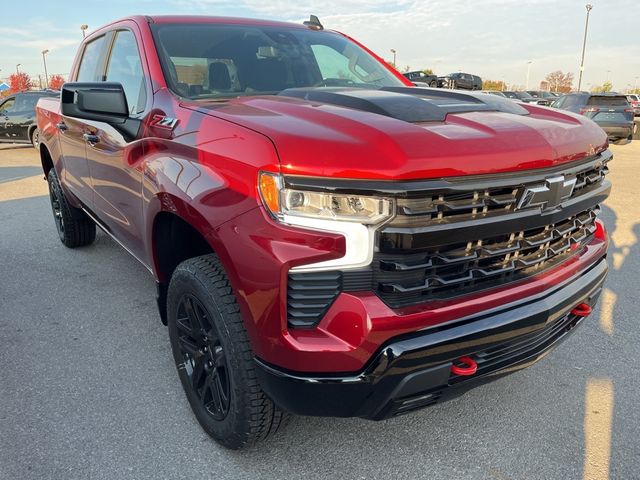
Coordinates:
column 309, row 296
column 445, row 271
column 455, row 236
column 466, row 204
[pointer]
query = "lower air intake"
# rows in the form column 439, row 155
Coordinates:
column 309, row 296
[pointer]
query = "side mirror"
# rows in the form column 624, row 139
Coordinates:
column 100, row 101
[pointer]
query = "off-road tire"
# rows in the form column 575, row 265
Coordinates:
column 251, row 416
column 75, row 229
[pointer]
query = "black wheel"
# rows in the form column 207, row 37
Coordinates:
column 213, row 356
column 433, row 84
column 75, row 229
column 35, row 138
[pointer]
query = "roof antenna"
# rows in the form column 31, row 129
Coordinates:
column 313, row 23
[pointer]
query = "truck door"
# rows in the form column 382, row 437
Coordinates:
column 72, row 130
column 116, row 172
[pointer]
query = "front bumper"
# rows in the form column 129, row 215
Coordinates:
column 414, row 371
column 618, row 131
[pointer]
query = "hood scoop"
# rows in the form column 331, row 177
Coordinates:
column 409, row 104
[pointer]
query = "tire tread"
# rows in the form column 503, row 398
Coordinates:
column 263, row 417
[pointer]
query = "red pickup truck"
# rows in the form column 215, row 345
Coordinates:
column 326, row 238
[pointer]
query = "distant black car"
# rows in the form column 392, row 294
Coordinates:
column 611, row 111
column 17, row 117
column 420, row 77
column 462, row 81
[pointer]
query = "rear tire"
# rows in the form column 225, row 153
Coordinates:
column 75, row 229
column 433, row 84
column 213, row 356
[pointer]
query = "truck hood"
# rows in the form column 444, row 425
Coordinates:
column 408, row 133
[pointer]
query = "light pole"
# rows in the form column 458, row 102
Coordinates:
column 44, row 60
column 635, row 85
column 588, row 6
column 84, row 27
column 528, row 72
column 18, row 68
column 393, row 50
column 608, row 72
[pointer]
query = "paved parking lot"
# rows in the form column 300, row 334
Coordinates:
column 88, row 389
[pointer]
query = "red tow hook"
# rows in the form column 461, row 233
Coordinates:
column 582, row 310
column 470, row 367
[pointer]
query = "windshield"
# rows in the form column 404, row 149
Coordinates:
column 222, row 61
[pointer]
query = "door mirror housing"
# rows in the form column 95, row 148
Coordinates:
column 99, row 101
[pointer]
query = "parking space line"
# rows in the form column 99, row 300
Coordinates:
column 607, row 302
column 598, row 419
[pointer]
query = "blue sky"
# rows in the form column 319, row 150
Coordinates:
column 492, row 38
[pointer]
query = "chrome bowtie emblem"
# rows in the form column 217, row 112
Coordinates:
column 548, row 196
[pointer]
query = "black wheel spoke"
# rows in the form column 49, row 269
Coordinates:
column 198, row 376
column 187, row 302
column 215, row 405
column 204, row 358
column 224, row 396
column 185, row 327
column 187, row 345
column 218, row 356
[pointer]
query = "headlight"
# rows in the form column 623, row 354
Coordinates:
column 355, row 216
column 283, row 202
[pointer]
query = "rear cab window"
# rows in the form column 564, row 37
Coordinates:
column 90, row 62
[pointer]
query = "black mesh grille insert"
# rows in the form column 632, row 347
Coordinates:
column 403, row 279
column 309, row 296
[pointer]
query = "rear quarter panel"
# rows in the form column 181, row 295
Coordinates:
column 47, row 117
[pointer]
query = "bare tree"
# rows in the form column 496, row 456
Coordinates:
column 560, row 82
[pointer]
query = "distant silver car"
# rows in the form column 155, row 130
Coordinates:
column 494, row 92
column 526, row 97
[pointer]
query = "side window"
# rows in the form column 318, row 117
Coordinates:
column 125, row 67
column 89, row 63
column 7, row 106
column 25, row 103
column 571, row 101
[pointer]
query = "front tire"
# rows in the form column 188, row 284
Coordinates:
column 35, row 138
column 75, row 229
column 213, row 356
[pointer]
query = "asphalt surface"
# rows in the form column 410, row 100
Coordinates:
column 88, row 389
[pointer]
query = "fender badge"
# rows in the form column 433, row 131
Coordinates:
column 164, row 122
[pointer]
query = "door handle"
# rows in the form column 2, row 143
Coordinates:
column 62, row 127
column 90, row 138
